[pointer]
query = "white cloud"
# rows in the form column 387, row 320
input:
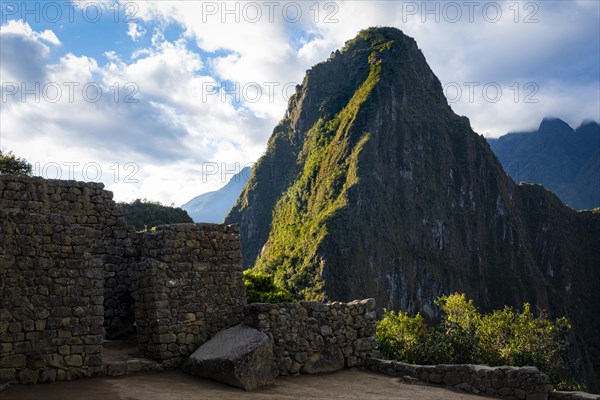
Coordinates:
column 135, row 31
column 181, row 122
column 170, row 126
column 24, row 51
column 21, row 28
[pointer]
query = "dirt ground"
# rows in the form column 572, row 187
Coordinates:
column 175, row 385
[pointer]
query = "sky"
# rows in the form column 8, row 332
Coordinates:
column 166, row 100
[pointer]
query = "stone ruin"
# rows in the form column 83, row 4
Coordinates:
column 74, row 274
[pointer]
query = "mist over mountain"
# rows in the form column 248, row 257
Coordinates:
column 565, row 160
column 213, row 206
column 372, row 187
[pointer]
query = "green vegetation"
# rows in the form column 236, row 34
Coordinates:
column 464, row 335
column 261, row 288
column 143, row 214
column 329, row 158
column 11, row 164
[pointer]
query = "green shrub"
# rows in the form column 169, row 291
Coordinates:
column 463, row 335
column 457, row 334
column 402, row 337
column 261, row 288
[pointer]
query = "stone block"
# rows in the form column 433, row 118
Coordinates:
column 435, row 378
column 15, row 361
column 239, row 356
column 329, row 359
column 116, row 369
column 28, row 376
column 47, row 376
column 74, row 360
column 452, row 378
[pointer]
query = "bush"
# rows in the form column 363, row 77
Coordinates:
column 405, row 338
column 261, row 288
column 502, row 337
column 11, row 164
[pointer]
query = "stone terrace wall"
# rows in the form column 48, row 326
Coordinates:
column 572, row 396
column 88, row 205
column 313, row 337
column 512, row 382
column 188, row 286
column 51, row 288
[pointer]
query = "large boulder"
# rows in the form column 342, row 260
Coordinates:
column 239, row 356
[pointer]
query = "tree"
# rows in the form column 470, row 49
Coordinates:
column 147, row 214
column 261, row 288
column 11, row 164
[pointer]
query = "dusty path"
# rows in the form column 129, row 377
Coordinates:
column 175, row 385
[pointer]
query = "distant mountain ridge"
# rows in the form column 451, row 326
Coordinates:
column 213, row 206
column 564, row 160
column 371, row 186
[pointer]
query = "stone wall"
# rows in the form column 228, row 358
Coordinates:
column 572, row 396
column 188, row 285
column 526, row 383
column 88, row 205
column 66, row 277
column 311, row 337
column 51, row 288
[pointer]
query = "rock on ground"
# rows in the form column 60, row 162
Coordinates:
column 239, row 356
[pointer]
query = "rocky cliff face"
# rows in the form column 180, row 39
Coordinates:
column 372, row 187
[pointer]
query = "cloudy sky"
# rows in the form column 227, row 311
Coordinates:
column 165, row 100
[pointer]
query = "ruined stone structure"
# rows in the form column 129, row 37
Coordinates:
column 51, row 314
column 68, row 262
column 73, row 273
column 188, row 286
column 109, row 237
column 63, row 276
column 312, row 337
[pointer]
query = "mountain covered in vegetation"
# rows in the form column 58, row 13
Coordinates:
column 214, row 206
column 564, row 160
column 372, row 187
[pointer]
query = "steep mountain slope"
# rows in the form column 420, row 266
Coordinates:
column 214, row 206
column 558, row 157
column 372, row 187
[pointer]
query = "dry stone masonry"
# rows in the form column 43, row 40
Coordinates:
column 311, row 337
column 67, row 260
column 51, row 287
column 63, row 277
column 88, row 205
column 526, row 383
column 188, row 286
